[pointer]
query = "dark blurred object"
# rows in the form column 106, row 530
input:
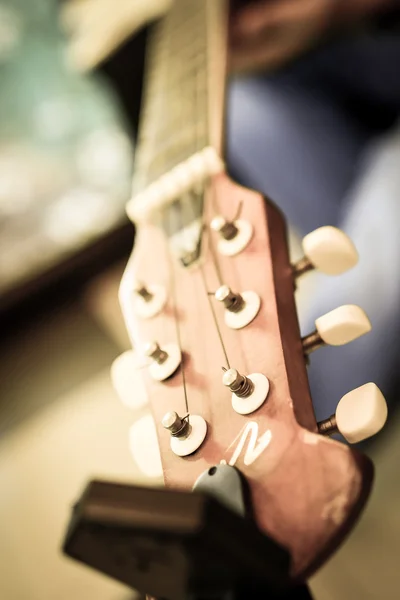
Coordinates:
column 124, row 70
column 176, row 545
column 389, row 20
column 61, row 273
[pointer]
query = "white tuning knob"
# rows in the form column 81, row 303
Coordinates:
column 127, row 380
column 338, row 327
column 329, row 250
column 360, row 414
column 143, row 444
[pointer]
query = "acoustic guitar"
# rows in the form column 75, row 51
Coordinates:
column 208, row 301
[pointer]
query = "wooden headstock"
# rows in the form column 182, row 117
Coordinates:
column 306, row 490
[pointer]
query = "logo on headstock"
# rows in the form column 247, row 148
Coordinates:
column 255, row 445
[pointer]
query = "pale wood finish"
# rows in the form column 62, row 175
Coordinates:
column 184, row 90
column 306, row 490
column 217, row 23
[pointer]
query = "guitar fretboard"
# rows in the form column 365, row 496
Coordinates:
column 182, row 84
column 175, row 117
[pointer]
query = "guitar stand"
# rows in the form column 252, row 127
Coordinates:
column 175, row 545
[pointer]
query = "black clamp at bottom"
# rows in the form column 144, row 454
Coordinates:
column 177, row 545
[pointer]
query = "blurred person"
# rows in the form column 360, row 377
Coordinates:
column 314, row 126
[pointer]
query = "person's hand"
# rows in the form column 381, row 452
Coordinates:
column 269, row 33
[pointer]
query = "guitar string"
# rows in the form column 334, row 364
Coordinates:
column 209, row 192
column 211, row 246
column 175, row 307
column 180, row 217
column 170, row 211
column 174, row 290
column 199, row 143
column 215, row 319
column 178, row 330
column 174, row 293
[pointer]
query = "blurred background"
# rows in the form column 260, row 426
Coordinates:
column 69, row 109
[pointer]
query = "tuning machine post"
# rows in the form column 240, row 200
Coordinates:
column 148, row 300
column 248, row 392
column 337, row 327
column 327, row 249
column 359, row 415
column 240, row 309
column 235, row 235
column 187, row 433
column 165, row 360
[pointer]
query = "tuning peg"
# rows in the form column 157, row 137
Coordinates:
column 360, row 414
column 187, row 433
column 327, row 249
column 240, row 309
column 127, row 380
column 338, row 327
column 235, row 234
column 248, row 392
column 165, row 361
column 148, row 300
column 143, row 444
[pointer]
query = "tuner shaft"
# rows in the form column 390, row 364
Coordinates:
column 248, row 393
column 227, row 229
column 302, row 266
column 165, row 361
column 239, row 384
column 328, row 426
column 187, row 433
column 177, row 426
column 312, row 342
column 143, row 292
column 148, row 300
column 233, row 302
column 154, row 351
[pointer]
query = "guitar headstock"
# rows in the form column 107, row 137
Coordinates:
column 219, row 303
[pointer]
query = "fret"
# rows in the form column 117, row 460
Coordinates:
column 179, row 95
column 181, row 127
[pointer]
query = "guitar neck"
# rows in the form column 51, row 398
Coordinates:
column 183, row 103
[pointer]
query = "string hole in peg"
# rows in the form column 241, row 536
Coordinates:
column 328, row 250
column 240, row 309
column 148, row 301
column 187, row 433
column 337, row 327
column 359, row 415
column 235, row 235
column 165, row 360
column 248, row 392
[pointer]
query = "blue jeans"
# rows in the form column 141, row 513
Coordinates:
column 321, row 139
